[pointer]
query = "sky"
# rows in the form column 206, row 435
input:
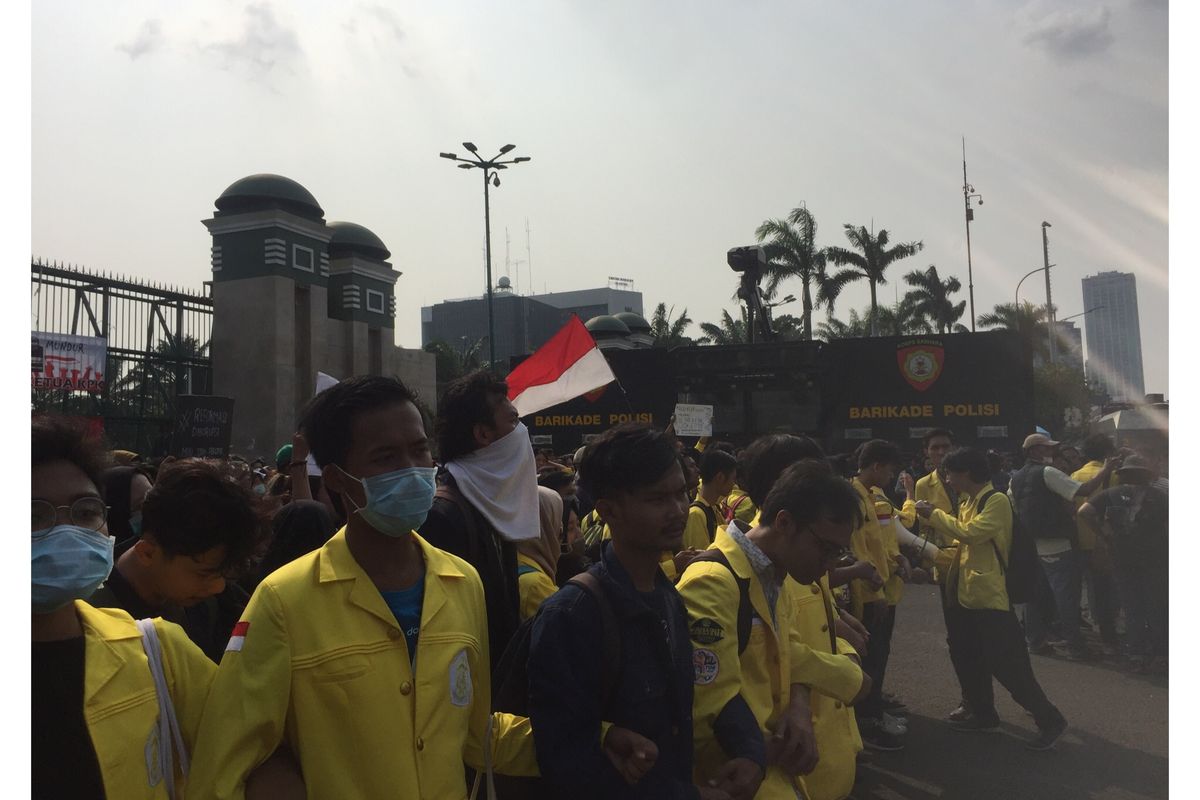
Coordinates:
column 661, row 134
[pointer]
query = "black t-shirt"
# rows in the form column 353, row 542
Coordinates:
column 64, row 759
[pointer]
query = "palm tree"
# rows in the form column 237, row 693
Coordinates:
column 149, row 384
column 453, row 362
column 854, row 328
column 905, row 318
column 869, row 259
column 931, row 296
column 792, row 253
column 730, row 331
column 668, row 332
column 1026, row 319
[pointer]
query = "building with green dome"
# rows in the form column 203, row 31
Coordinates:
column 294, row 295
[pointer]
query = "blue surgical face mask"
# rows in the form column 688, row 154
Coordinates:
column 260, row 489
column 135, row 522
column 69, row 563
column 398, row 502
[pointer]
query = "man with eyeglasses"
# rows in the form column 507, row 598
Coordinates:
column 199, row 527
column 749, row 655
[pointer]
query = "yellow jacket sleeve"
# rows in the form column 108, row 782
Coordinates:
column 908, row 513
column 830, row 674
column 192, row 673
column 990, row 523
column 535, row 587
column 846, row 649
column 711, row 595
column 245, row 716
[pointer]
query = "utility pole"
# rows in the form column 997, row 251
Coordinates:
column 1049, row 307
column 968, row 193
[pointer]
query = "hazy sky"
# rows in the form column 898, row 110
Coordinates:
column 662, row 134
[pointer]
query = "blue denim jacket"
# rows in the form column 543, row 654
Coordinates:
column 652, row 693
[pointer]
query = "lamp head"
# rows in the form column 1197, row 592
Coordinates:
column 451, row 156
column 506, row 148
column 469, row 146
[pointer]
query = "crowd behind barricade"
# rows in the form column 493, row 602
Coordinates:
column 638, row 619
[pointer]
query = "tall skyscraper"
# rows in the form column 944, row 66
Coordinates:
column 1114, row 335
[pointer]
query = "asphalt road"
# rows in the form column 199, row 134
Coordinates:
column 1114, row 749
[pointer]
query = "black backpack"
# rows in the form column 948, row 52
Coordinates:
column 510, row 682
column 745, row 614
column 710, row 518
column 1021, row 577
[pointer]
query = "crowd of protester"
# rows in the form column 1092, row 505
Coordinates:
column 642, row 618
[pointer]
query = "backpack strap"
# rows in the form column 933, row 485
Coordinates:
column 610, row 637
column 451, row 495
column 710, row 518
column 979, row 507
column 745, row 609
column 170, row 738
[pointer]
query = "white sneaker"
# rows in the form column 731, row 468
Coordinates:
column 892, row 725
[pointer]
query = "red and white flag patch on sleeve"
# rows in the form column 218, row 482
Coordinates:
column 239, row 636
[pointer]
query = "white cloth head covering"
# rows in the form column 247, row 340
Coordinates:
column 500, row 481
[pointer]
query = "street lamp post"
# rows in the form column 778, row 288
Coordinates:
column 489, row 167
column 968, row 193
column 1049, row 307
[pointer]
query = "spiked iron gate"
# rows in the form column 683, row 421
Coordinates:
column 158, row 348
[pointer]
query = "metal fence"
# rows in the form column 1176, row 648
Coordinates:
column 158, row 348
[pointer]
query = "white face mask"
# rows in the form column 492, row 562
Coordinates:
column 500, row 481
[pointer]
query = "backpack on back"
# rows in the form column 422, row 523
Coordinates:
column 1021, row 571
column 710, row 518
column 745, row 613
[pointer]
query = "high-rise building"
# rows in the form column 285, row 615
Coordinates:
column 1114, row 337
column 1069, row 346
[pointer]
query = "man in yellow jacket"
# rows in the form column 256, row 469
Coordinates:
column 979, row 609
column 94, row 700
column 878, row 461
column 746, row 640
column 1097, row 556
column 369, row 657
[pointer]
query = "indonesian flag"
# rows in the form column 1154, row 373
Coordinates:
column 567, row 366
column 239, row 637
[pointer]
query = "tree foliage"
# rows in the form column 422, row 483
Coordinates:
column 868, row 258
column 791, row 251
column 669, row 332
column 932, row 298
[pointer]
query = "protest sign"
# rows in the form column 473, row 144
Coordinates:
column 693, row 420
column 65, row 362
column 204, row 426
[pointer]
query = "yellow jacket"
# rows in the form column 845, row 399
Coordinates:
column 743, row 507
column 980, row 579
column 834, row 724
column 931, row 489
column 324, row 666
column 695, row 534
column 1087, row 537
column 893, row 587
column 774, row 659
column 120, row 704
column 866, row 542
column 533, row 583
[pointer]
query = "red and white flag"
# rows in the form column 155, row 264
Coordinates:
column 567, row 366
column 239, row 636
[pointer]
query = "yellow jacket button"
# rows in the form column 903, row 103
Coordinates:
column 420, row 743
column 405, row 688
column 816, row 589
column 394, row 634
column 824, row 629
column 837, row 705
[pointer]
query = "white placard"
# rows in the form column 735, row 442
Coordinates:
column 693, row 420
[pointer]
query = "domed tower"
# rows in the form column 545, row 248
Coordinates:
column 293, row 296
column 639, row 329
column 609, row 333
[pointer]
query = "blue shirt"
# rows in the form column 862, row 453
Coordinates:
column 406, row 606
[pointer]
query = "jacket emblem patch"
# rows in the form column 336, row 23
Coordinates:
column 706, row 631
column 461, row 689
column 706, row 666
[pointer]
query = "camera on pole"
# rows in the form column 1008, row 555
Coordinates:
column 751, row 261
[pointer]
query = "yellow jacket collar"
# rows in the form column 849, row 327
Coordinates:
column 102, row 627
column 338, row 564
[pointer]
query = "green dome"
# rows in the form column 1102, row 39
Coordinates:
column 605, row 325
column 635, row 322
column 351, row 238
column 263, row 191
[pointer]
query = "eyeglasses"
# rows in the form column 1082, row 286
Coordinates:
column 830, row 552
column 86, row 512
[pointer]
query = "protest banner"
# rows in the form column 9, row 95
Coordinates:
column 71, row 363
column 204, row 426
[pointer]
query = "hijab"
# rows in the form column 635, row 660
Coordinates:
column 546, row 549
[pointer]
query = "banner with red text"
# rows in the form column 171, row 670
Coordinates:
column 71, row 363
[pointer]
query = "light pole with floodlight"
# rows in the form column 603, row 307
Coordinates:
column 489, row 167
